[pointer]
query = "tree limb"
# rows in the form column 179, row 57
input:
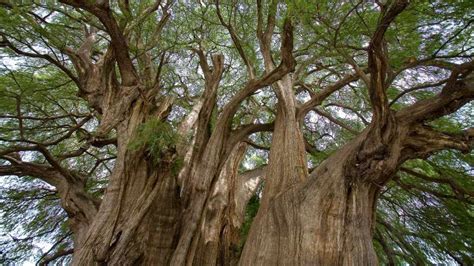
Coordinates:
column 119, row 43
column 378, row 63
column 424, row 140
column 236, row 40
column 321, row 95
column 6, row 43
column 458, row 91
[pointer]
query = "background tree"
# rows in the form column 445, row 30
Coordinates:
column 140, row 132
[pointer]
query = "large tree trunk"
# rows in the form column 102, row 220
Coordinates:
column 324, row 219
column 138, row 219
column 141, row 220
column 219, row 236
column 205, row 200
column 149, row 215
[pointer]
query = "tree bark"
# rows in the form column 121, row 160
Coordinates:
column 328, row 219
column 325, row 220
column 223, row 217
column 328, row 223
column 138, row 219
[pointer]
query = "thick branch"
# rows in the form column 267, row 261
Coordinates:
column 212, row 79
column 458, row 91
column 55, row 256
column 119, row 43
column 20, row 168
column 424, row 140
column 241, row 133
column 378, row 63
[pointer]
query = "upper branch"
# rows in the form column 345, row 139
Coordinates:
column 286, row 65
column 265, row 36
column 102, row 11
column 241, row 133
column 147, row 12
column 6, row 43
column 21, row 168
column 81, row 58
column 236, row 41
column 212, row 78
column 378, row 63
column 424, row 140
column 458, row 91
column 319, row 97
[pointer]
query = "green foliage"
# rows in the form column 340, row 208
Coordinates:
column 422, row 221
column 155, row 137
column 30, row 214
column 429, row 222
column 250, row 213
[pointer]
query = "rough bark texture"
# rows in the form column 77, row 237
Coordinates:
column 127, row 228
column 286, row 168
column 211, row 154
column 225, row 210
column 151, row 215
column 328, row 218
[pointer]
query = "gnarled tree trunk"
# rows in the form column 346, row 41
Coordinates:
column 150, row 215
column 138, row 218
column 326, row 220
column 224, row 214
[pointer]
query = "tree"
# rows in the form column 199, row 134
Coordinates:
column 149, row 132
